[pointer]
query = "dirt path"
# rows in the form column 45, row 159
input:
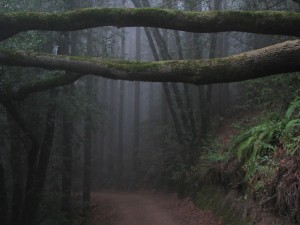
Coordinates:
column 123, row 208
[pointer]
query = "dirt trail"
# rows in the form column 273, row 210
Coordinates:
column 123, row 208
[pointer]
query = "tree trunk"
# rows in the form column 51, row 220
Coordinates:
column 3, row 196
column 17, row 173
column 111, row 129
column 207, row 103
column 103, row 96
column 120, row 133
column 66, row 184
column 66, row 46
column 137, row 106
column 86, row 189
column 121, row 116
column 35, row 189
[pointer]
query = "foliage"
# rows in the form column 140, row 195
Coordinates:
column 263, row 158
column 269, row 153
column 259, row 142
column 269, row 92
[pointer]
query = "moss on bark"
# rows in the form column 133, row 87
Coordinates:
column 276, row 59
column 264, row 22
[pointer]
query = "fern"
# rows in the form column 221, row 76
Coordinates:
column 294, row 107
column 255, row 146
column 262, row 139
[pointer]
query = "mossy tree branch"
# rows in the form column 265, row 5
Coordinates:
column 263, row 22
column 276, row 59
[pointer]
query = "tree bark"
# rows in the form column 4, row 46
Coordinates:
column 120, row 157
column 136, row 141
column 263, row 22
column 120, row 133
column 86, row 188
column 3, row 196
column 111, row 129
column 17, row 173
column 37, row 173
column 67, row 129
column 67, row 145
column 276, row 59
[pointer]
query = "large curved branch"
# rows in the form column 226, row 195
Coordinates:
column 263, row 22
column 276, row 59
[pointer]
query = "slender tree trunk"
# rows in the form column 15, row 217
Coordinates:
column 207, row 104
column 186, row 114
column 86, row 189
column 3, row 196
column 103, row 96
column 151, row 103
column 66, row 185
column 164, row 107
column 111, row 128
column 166, row 95
column 137, row 105
column 120, row 133
column 17, row 173
column 66, row 46
column 121, row 115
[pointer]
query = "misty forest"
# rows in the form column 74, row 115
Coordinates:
column 149, row 112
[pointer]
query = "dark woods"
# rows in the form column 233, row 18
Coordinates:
column 59, row 144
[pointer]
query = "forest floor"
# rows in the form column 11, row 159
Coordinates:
column 147, row 208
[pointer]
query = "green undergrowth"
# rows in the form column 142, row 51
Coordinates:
column 266, row 159
column 217, row 199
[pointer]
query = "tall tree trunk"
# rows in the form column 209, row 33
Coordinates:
column 17, row 173
column 67, row 128
column 103, row 97
column 121, row 115
column 166, row 95
column 28, row 213
column 186, row 113
column 3, row 196
column 35, row 190
column 111, row 128
column 120, row 133
column 66, row 183
column 207, row 104
column 86, row 188
column 68, row 48
column 137, row 105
